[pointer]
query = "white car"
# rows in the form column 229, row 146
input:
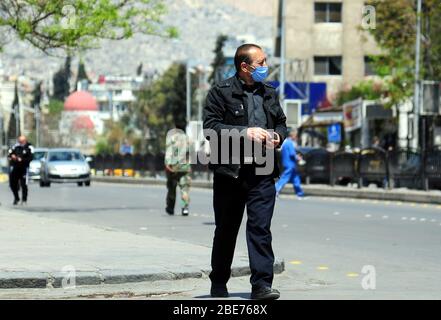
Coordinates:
column 64, row 166
column 35, row 165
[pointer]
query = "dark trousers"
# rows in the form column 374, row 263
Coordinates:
column 230, row 196
column 173, row 179
column 17, row 179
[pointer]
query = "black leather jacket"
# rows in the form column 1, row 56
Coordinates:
column 22, row 152
column 226, row 108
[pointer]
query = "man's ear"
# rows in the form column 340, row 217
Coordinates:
column 243, row 67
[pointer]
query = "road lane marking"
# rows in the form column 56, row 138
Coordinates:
column 322, row 268
column 404, row 218
column 336, row 213
column 352, row 275
column 413, row 219
column 385, row 217
column 368, row 216
column 423, row 219
column 296, row 262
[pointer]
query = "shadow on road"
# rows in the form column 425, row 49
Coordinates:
column 242, row 295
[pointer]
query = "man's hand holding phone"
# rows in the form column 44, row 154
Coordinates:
column 271, row 140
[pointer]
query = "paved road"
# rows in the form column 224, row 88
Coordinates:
column 325, row 242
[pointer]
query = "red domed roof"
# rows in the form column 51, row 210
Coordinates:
column 80, row 101
column 83, row 122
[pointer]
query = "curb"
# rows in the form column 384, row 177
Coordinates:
column 310, row 190
column 39, row 280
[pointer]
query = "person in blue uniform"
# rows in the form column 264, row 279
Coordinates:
column 289, row 161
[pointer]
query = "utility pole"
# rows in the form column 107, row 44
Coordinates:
column 37, row 125
column 1, row 134
column 417, row 94
column 17, row 120
column 282, row 79
column 188, row 93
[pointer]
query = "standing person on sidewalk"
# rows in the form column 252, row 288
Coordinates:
column 245, row 104
column 289, row 161
column 178, row 168
column 20, row 156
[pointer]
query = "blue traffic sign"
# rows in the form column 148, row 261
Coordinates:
column 334, row 133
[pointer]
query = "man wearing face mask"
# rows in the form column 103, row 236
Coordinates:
column 247, row 104
column 19, row 156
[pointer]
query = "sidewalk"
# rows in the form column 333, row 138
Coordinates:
column 39, row 252
column 402, row 194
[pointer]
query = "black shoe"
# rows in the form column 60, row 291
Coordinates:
column 16, row 202
column 185, row 212
column 265, row 293
column 169, row 211
column 219, row 291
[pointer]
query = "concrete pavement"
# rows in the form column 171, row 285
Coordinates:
column 39, row 252
column 326, row 242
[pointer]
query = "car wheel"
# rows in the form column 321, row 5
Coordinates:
column 48, row 184
column 87, row 183
column 80, row 184
column 42, row 184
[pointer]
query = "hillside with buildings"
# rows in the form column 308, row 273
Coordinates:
column 199, row 23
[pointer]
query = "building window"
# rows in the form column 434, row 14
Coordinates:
column 327, row 66
column 368, row 67
column 328, row 12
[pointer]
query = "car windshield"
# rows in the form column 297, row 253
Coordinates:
column 65, row 156
column 38, row 155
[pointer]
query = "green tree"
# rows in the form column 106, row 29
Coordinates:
column 36, row 95
column 61, row 81
column 14, row 123
column 81, row 73
column 368, row 90
column 219, row 58
column 139, row 69
column 395, row 33
column 157, row 107
column 80, row 24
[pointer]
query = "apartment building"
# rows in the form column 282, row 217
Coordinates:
column 327, row 36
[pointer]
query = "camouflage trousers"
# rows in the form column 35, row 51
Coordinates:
column 183, row 179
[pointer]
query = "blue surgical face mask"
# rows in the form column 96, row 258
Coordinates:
column 260, row 73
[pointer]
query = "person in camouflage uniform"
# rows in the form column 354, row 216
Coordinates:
column 178, row 168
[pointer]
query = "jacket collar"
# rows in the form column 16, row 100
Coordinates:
column 237, row 87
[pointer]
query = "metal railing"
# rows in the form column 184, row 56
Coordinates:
column 398, row 168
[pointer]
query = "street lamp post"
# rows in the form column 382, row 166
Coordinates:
column 188, row 92
column 17, row 120
column 417, row 101
column 1, row 134
column 37, row 125
column 282, row 54
column 189, row 70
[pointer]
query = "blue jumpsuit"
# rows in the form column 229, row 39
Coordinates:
column 290, row 174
